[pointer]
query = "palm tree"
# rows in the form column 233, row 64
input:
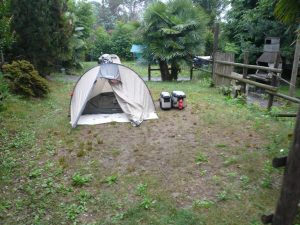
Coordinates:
column 173, row 32
column 288, row 11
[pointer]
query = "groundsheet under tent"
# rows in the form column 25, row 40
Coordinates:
column 92, row 119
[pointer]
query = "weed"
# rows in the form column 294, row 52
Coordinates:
column 230, row 161
column 203, row 203
column 4, row 205
column 118, row 217
column 201, row 158
column 83, row 197
column 232, row 175
column 63, row 189
column 266, row 182
column 267, row 172
column 141, row 189
column 80, row 180
column 48, row 185
column 74, row 210
column 245, row 180
column 222, row 196
column 221, row 145
column 111, row 179
column 35, row 173
column 225, row 90
column 147, row 203
column 50, row 147
column 203, row 172
column 23, row 139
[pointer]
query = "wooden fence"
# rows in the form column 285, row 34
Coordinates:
column 190, row 69
column 224, row 67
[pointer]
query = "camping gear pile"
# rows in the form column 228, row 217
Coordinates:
column 111, row 92
column 173, row 100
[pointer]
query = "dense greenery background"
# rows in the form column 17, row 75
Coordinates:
column 60, row 33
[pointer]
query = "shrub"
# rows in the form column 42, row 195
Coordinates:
column 25, row 80
column 4, row 92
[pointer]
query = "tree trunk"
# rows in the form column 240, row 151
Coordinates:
column 174, row 70
column 164, row 71
column 287, row 206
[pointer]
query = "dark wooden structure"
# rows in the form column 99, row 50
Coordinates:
column 287, row 205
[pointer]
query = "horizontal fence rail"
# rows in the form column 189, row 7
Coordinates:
column 239, row 77
column 275, row 70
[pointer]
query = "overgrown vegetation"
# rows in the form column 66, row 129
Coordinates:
column 222, row 171
column 24, row 80
column 173, row 32
column 4, row 91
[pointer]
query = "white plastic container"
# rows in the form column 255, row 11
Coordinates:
column 176, row 96
column 165, row 100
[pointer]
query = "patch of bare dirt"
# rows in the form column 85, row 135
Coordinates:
column 166, row 149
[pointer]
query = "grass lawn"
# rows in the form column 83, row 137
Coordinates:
column 207, row 164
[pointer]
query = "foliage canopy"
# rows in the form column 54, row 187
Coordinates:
column 173, row 32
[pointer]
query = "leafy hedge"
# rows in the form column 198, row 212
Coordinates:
column 24, row 80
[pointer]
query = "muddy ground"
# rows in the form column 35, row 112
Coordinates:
column 166, row 150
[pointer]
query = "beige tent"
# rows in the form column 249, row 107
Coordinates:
column 111, row 92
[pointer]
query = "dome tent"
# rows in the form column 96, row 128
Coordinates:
column 111, row 92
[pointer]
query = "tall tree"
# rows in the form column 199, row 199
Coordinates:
column 288, row 11
column 101, row 43
column 108, row 12
column 83, row 19
column 123, row 37
column 6, row 35
column 248, row 25
column 42, row 32
column 173, row 32
column 213, row 8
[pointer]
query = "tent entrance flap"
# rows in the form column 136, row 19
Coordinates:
column 105, row 103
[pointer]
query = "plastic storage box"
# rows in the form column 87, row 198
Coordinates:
column 177, row 99
column 165, row 100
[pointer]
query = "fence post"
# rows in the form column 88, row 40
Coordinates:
column 245, row 70
column 287, row 206
column 274, row 82
column 215, row 48
column 191, row 73
column 295, row 69
column 149, row 72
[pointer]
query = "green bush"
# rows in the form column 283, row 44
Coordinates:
column 4, row 91
column 24, row 80
column 122, row 39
